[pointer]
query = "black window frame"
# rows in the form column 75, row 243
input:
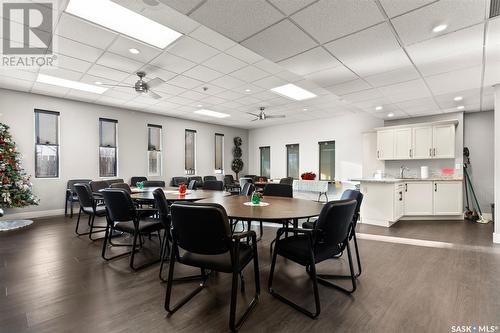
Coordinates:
column 190, row 171
column 160, row 150
column 288, row 146
column 115, row 166
column 221, row 169
column 261, row 169
column 37, row 144
column 319, row 161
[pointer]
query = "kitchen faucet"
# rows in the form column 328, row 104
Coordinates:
column 402, row 170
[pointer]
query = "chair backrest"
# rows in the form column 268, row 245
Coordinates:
column 97, row 185
column 154, row 183
column 199, row 181
column 228, row 179
column 286, row 181
column 71, row 183
column 210, row 178
column 114, row 181
column 213, row 185
column 84, row 193
column 278, row 190
column 119, row 205
column 250, row 176
column 200, row 228
column 247, row 189
column 162, row 205
column 124, row 186
column 353, row 195
column 334, row 221
column 260, row 178
column 192, row 185
column 176, row 181
column 245, row 180
column 135, row 180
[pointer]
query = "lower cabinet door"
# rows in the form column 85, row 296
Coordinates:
column 418, row 198
column 448, row 198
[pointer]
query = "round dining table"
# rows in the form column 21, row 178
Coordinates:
column 172, row 194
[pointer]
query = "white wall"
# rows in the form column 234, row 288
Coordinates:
column 79, row 140
column 345, row 130
column 496, row 234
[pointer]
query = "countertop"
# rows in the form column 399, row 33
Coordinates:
column 405, row 180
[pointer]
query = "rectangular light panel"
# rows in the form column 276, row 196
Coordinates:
column 122, row 20
column 57, row 81
column 294, row 92
column 212, row 113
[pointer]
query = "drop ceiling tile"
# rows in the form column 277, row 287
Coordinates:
column 229, row 95
column 18, row 74
column 493, row 41
column 237, row 19
column 72, row 63
column 182, row 6
column 214, row 100
column 332, row 76
column 78, row 50
column 270, row 82
column 228, row 82
column 72, row 27
column 310, row 61
column 280, row 41
column 291, row 6
column 371, row 51
column 191, row 49
column 194, row 95
column 455, row 14
column 247, row 100
column 172, row 63
column 269, row 66
column 212, row 38
column 169, row 89
column 464, row 79
column 120, row 63
column 349, row 87
column 202, row 73
column 244, row 54
column 224, row 63
column 288, row 76
column 248, row 89
column 398, row 7
column 327, row 20
column 491, row 74
column 264, row 95
column 405, row 91
column 153, row 71
column 81, row 95
column 249, row 74
column 209, row 89
column 123, row 44
column 363, row 95
column 446, row 101
column 107, row 100
column 15, row 84
column 47, row 89
column 90, row 79
column 179, row 100
column 62, row 73
column 107, row 73
column 403, row 74
column 120, row 94
column 184, row 82
column 144, row 99
column 395, row 115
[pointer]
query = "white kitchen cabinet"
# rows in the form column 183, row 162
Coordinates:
column 448, row 198
column 443, row 141
column 385, row 145
column 402, row 143
column 418, row 198
column 399, row 202
column 422, row 142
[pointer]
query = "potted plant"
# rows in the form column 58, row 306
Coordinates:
column 237, row 164
column 308, row 175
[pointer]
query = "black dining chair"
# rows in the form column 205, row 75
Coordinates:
column 192, row 185
column 348, row 195
column 287, row 181
column 230, row 184
column 198, row 179
column 213, row 185
column 277, row 190
column 209, row 178
column 176, row 181
column 164, row 214
column 247, row 189
column 202, row 231
column 122, row 215
column 90, row 207
column 245, row 180
column 114, row 181
column 137, row 179
column 124, row 186
column 154, row 183
column 71, row 195
column 308, row 247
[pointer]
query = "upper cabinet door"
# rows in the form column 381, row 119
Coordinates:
column 422, row 142
column 402, row 144
column 443, row 138
column 385, row 145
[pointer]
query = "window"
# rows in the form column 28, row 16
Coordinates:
column 154, row 150
column 292, row 161
column 327, row 160
column 219, row 153
column 265, row 162
column 190, row 152
column 107, row 147
column 46, row 144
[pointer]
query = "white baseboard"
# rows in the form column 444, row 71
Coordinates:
column 496, row 237
column 32, row 214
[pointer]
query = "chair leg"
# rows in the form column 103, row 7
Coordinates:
column 233, row 324
column 78, row 221
column 66, row 206
column 165, row 253
column 107, row 236
column 322, row 278
column 70, row 208
column 357, row 255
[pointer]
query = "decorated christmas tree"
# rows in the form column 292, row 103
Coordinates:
column 15, row 186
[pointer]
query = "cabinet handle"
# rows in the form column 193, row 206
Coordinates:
column 400, row 196
column 434, row 152
column 410, row 153
column 378, row 154
column 430, row 152
column 406, row 187
column 435, row 187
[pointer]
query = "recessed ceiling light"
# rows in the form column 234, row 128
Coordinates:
column 458, row 98
column 304, row 109
column 460, row 107
column 57, row 81
column 378, row 108
column 248, row 90
column 390, row 115
column 199, row 106
column 439, row 28
column 294, row 92
column 120, row 19
column 134, row 51
column 98, row 83
column 212, row 113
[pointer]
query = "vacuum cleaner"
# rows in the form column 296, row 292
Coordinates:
column 472, row 209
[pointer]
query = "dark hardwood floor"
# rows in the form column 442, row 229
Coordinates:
column 53, row 281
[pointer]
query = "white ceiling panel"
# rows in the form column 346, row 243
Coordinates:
column 403, row 74
column 202, row 73
column 310, row 61
column 172, row 63
column 464, row 79
column 349, row 87
column 370, row 51
column 270, row 82
column 185, row 82
column 191, row 49
column 72, row 63
column 224, row 63
column 153, row 71
column 228, row 82
column 405, row 91
column 80, row 30
column 363, row 95
column 249, row 74
column 81, row 95
column 118, row 62
column 62, row 73
column 107, row 73
column 491, row 74
column 446, row 101
column 169, row 89
column 47, row 89
column 455, row 14
column 332, row 76
column 18, row 74
column 77, row 50
column 214, row 100
column 209, row 89
column 291, row 6
column 15, row 84
column 244, row 54
column 122, row 45
column 398, row 7
column 327, row 20
column 194, row 95
column 212, row 38
column 493, row 41
column 280, row 41
column 236, row 19
column 183, row 6
column 229, row 95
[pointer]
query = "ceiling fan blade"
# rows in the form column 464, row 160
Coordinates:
column 154, row 82
column 276, row 116
column 255, row 119
column 116, row 85
column 153, row 94
column 253, row 114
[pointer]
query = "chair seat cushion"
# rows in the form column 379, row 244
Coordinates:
column 100, row 210
column 218, row 262
column 296, row 248
column 146, row 225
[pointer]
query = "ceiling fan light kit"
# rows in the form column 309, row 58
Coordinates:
column 263, row 116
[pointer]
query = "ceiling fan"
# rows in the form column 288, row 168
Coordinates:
column 263, row 116
column 141, row 86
